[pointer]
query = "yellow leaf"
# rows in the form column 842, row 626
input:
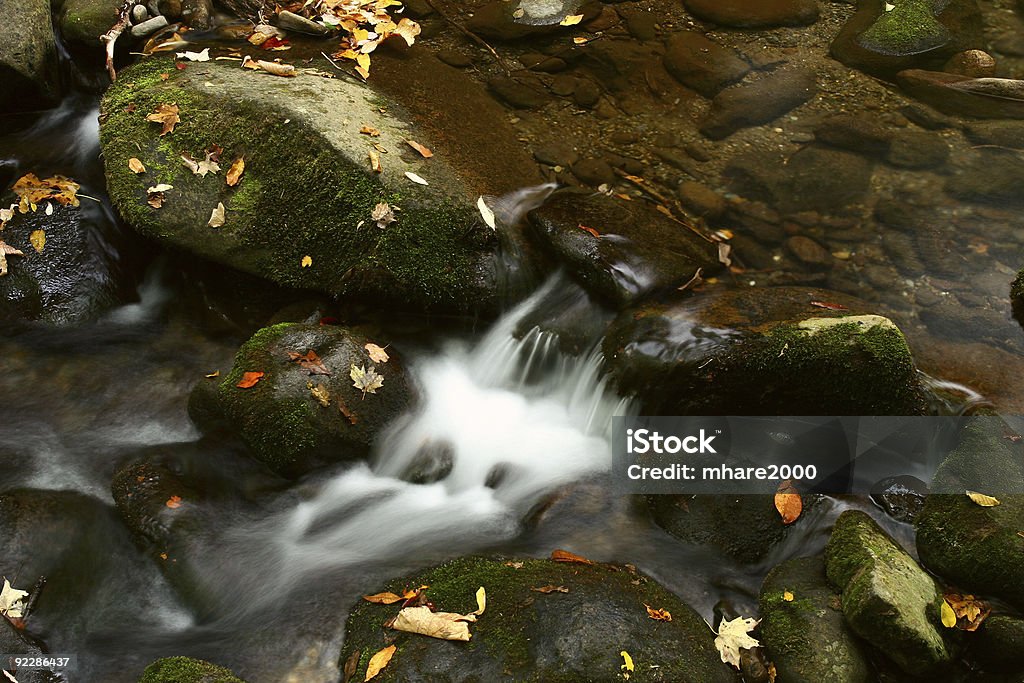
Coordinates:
column 136, row 166
column 787, row 596
column 481, row 601
column 38, row 240
column 948, row 615
column 213, row 375
column 627, row 662
column 571, row 20
column 377, row 354
column 217, row 216
column 320, row 393
column 982, row 500
column 379, row 661
column 383, row 598
column 235, row 172
column 658, row 614
column 307, row 261
column 364, row 62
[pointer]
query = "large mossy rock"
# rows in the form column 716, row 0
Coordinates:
column 187, row 670
column 979, row 549
column 308, row 188
column 526, row 635
column 285, row 424
column 82, row 22
column 887, row 598
column 28, row 56
column 806, row 636
column 735, row 352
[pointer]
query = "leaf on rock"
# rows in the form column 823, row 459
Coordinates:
column 383, row 215
column 5, row 251
column 627, row 664
column 12, row 601
column 787, row 596
column 415, row 178
column 377, row 354
column 201, row 168
column 486, row 212
column 349, row 415
column 32, row 191
column 481, row 601
column 442, row 625
column 370, row 130
column 320, row 393
column 658, row 614
column 590, row 230
column 571, row 20
column 167, row 116
column 969, row 611
column 408, row 29
column 982, row 499
column 375, row 161
column 734, row 635
column 378, row 661
column 948, row 615
column 306, row 262
column 38, row 240
column 566, row 556
column 155, row 194
column 367, row 381
column 309, row 361
column 383, row 598
column 249, row 379
column 174, row 502
column 424, row 152
column 203, row 56
column 276, row 68
column 788, row 502
column 217, row 216
column 136, row 166
column 550, row 589
column 213, row 375
column 235, row 172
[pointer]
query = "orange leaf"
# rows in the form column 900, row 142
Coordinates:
column 167, row 116
column 384, row 598
column 566, row 556
column 370, row 130
column 174, row 502
column 310, row 361
column 236, row 171
column 788, row 502
column 249, row 379
column 424, row 152
column 593, row 232
column 658, row 614
column 379, row 661
column 550, row 589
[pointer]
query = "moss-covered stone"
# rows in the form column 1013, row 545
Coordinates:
column 887, row 599
column 307, row 189
column 530, row 636
column 979, row 549
column 28, row 56
column 281, row 420
column 82, row 22
column 805, row 635
column 909, row 28
column 187, row 670
column 762, row 350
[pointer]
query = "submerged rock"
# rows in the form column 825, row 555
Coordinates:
column 701, row 64
column 978, row 548
column 636, row 250
column 293, row 419
column 525, row 635
column 736, row 352
column 804, row 632
column 28, row 56
column 888, row 600
column 987, row 98
column 757, row 102
column 186, row 670
column 756, row 13
column 308, row 189
column 991, row 176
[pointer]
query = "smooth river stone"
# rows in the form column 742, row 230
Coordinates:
column 755, row 13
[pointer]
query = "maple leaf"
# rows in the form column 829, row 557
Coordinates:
column 12, row 601
column 408, row 29
column 383, row 215
column 309, row 361
column 377, row 354
column 201, row 168
column 734, row 635
column 31, row 191
column 167, row 116
column 235, row 172
column 367, row 381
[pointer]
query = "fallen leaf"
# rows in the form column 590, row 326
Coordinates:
column 203, row 56
column 982, row 500
column 724, row 254
column 156, row 200
column 38, row 240
column 424, row 152
column 351, row 664
column 320, row 393
column 515, row 565
column 566, row 556
column 32, row 191
column 627, row 664
column 486, row 212
column 167, row 116
column 658, row 614
column 370, row 130
column 174, row 502
column 481, row 601
column 586, row 229
column 12, row 601
column 415, row 178
column 550, row 589
column 787, row 596
column 788, row 502
column 375, row 164
column 377, row 354
column 5, row 251
column 201, row 168
column 408, row 29
column 160, row 187
column 571, row 20
column 948, row 615
column 349, row 415
column 830, row 306
column 249, row 379
column 235, row 172
column 378, row 661
column 383, row 215
column 276, row 68
column 307, row 261
column 136, row 166
column 213, row 375
column 309, row 361
column 442, row 625
column 732, row 636
column 970, row 611
column 383, row 598
column 367, row 381
column 217, row 216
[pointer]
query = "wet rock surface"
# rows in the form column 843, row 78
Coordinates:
column 28, row 56
column 743, row 14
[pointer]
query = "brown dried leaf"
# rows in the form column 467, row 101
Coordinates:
column 378, row 661
column 443, row 625
column 309, row 361
column 174, row 502
column 658, row 614
column 217, row 216
column 788, row 502
column 375, row 161
column 377, row 354
column 383, row 598
column 550, row 589
column 167, row 116
column 276, row 68
column 136, row 166
column 236, row 171
column 370, row 130
column 424, row 152
column 249, row 379
column 566, row 556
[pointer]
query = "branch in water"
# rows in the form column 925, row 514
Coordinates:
column 109, row 39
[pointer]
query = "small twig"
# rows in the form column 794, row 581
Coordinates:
column 85, row 196
column 333, row 63
column 109, row 39
column 33, row 597
column 472, row 36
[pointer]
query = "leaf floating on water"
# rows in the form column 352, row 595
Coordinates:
column 566, row 556
column 12, row 601
column 377, row 354
column 174, row 502
column 571, row 20
column 658, row 614
column 38, row 240
column 167, row 116
column 217, row 216
column 136, row 166
column 550, row 589
column 203, row 56
column 948, row 615
column 982, row 500
column 249, row 379
column 424, row 152
column 734, row 635
column 383, row 598
column 415, row 178
column 486, row 212
column 367, row 381
column 378, row 661
column 309, row 361
column 235, row 172
column 788, row 502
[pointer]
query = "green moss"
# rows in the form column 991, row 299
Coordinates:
column 910, row 27
column 186, row 670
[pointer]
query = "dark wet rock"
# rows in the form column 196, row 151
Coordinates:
column 809, row 252
column 28, row 56
column 518, row 93
column 587, row 93
column 643, row 25
column 736, row 352
column 999, row 643
column 701, row 64
column 913, row 33
column 753, row 103
column 1017, row 296
column 973, row 63
column 978, row 548
column 572, row 315
column 998, row 133
column 813, row 179
column 987, row 98
column 556, row 153
column 432, row 462
column 806, row 636
column 918, row 150
column 887, row 598
column 991, row 176
column 284, row 424
column 701, row 200
column 456, row 58
column 543, row 63
column 902, row 497
column 439, row 253
column 639, row 251
column 531, row 636
column 186, row 670
column 859, row 133
column 756, row 13
column 289, row 21
column 14, row 641
column 82, row 22
column 75, row 278
column 563, row 85
column 141, row 490
column 594, row 172
column 523, row 18
column 928, row 118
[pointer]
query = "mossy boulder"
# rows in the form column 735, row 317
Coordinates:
column 635, row 251
column 805, row 636
column 887, row 598
column 999, row 643
column 82, row 22
column 28, row 56
column 308, row 189
column 187, row 670
column 979, row 549
column 526, row 635
column 292, row 419
column 742, row 352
